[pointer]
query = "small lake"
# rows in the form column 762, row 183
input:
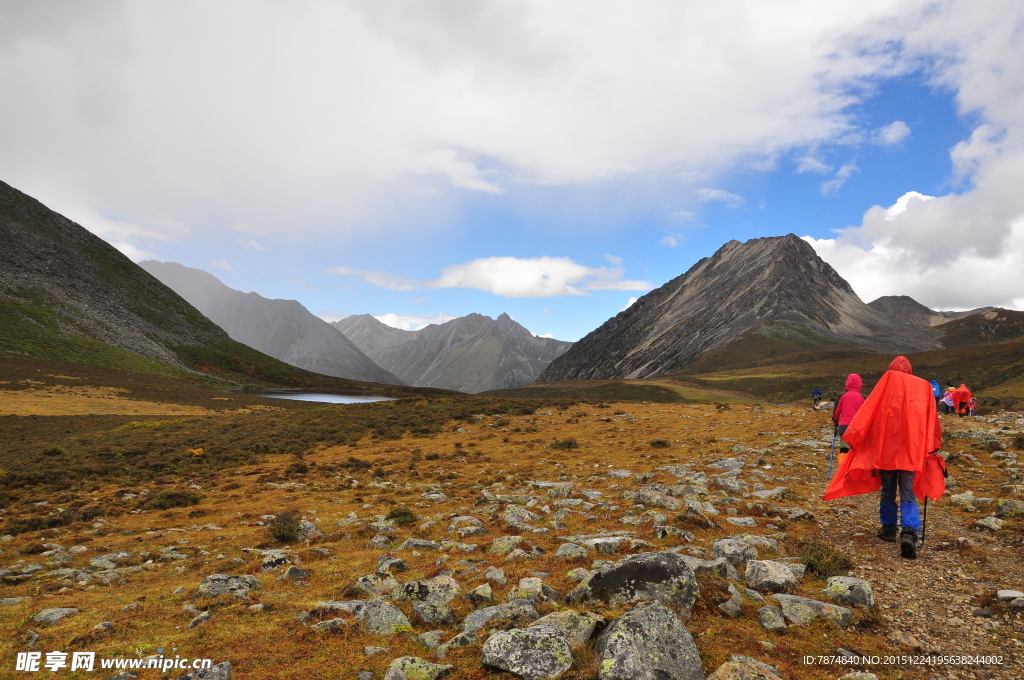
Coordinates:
column 326, row 398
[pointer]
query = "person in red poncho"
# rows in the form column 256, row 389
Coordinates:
column 962, row 400
column 893, row 440
column 845, row 409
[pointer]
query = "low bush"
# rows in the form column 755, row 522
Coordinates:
column 402, row 517
column 284, row 528
column 172, row 499
column 823, row 558
column 567, row 443
column 660, row 444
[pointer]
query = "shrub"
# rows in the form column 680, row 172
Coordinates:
column 659, row 444
column 823, row 558
column 55, row 451
column 172, row 499
column 284, row 528
column 1018, row 442
column 296, row 469
column 567, row 443
column 402, row 517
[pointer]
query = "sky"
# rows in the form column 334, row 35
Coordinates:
column 553, row 160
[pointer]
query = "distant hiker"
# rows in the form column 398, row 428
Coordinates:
column 962, row 400
column 832, row 394
column 845, row 409
column 816, row 395
column 894, row 438
column 973, row 405
column 947, row 402
column 937, row 391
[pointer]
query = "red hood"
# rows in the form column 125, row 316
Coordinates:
column 854, row 383
column 901, row 364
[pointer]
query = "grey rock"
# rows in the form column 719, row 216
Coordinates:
column 497, row 575
column 53, row 615
column 415, row 668
column 718, row 567
column 418, row 544
column 571, row 552
column 505, row 544
column 460, row 641
column 675, row 532
column 771, row 618
column 375, row 585
column 518, row 612
column 439, row 588
column 293, row 573
column 482, row 594
column 202, row 618
column 1001, row 595
column 662, row 576
column 11, row 601
column 774, row 577
column 578, row 574
column 734, row 550
column 732, row 607
column 744, row 668
column 989, row 523
column 851, row 590
column 742, row 521
column 530, row 588
column 801, row 611
column 373, row 651
column 330, row 626
column 648, row 643
column 386, row 564
column 535, row 653
column 221, row 671
column 383, row 618
column 221, row 584
column 431, row 639
column 1009, row 507
column 578, row 626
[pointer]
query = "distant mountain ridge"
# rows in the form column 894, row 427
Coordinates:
column 473, row 353
column 766, row 290
column 908, row 309
column 284, row 329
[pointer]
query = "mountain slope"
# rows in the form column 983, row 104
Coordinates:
column 284, row 329
column 909, row 310
column 772, row 290
column 990, row 327
column 474, row 353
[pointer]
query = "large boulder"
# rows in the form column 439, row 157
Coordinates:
column 415, row 668
column 535, row 653
column 648, row 643
column 383, row 618
column 850, row 590
column 219, row 584
column 53, row 615
column 662, row 576
column 801, row 611
column 735, row 550
column 774, row 577
column 578, row 626
column 221, row 671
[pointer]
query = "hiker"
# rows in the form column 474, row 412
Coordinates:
column 947, row 402
column 937, row 391
column 973, row 405
column 816, row 395
column 832, row 394
column 893, row 442
column 962, row 400
column 845, row 409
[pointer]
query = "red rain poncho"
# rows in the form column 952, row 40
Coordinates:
column 962, row 398
column 897, row 428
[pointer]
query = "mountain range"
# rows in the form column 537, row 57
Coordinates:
column 284, row 329
column 474, row 353
column 770, row 292
column 913, row 312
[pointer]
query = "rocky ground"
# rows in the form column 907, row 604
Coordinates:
column 629, row 541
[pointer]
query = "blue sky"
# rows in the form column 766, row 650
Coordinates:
column 549, row 160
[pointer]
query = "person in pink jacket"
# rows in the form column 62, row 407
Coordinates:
column 845, row 409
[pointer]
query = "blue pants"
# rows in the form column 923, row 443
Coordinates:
column 887, row 508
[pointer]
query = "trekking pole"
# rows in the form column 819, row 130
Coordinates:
column 835, row 435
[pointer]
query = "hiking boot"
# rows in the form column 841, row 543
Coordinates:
column 908, row 543
column 888, row 533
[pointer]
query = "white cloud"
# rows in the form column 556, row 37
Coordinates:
column 546, row 335
column 629, row 303
column 844, row 173
column 719, row 195
column 891, row 134
column 223, row 264
column 683, row 215
column 811, row 164
column 545, row 311
column 252, row 243
column 133, row 253
column 533, row 277
column 615, row 260
column 412, row 322
column 670, row 241
column 378, row 279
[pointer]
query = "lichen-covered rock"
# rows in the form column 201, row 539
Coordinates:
column 734, row 550
column 433, row 612
column 771, row 618
column 570, row 552
column 648, row 643
column 851, row 590
column 732, row 607
column 774, row 577
column 53, row 615
column 375, row 585
column 460, row 641
column 989, row 523
column 383, row 618
column 654, row 499
column 221, row 671
column 578, row 626
column 801, row 611
column 497, row 575
column 418, row 544
column 740, row 667
column 330, row 626
column 439, row 588
column 415, row 668
column 482, row 594
column 720, row 567
column 1009, row 507
column 662, row 576
column 219, row 584
column 535, row 653
column 518, row 612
